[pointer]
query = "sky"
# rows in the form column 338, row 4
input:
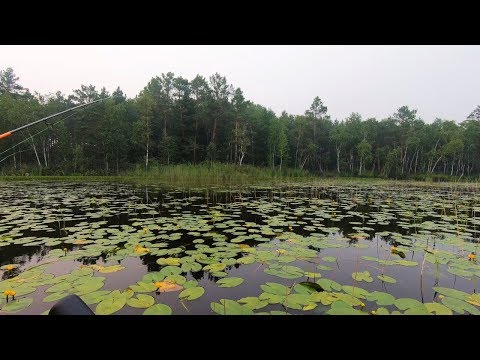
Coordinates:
column 438, row 81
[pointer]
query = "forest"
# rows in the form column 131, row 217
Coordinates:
column 174, row 120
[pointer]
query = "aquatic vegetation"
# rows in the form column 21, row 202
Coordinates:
column 307, row 249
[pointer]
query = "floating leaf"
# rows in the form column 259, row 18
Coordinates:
column 55, row 296
column 94, row 297
column 405, row 263
column 253, row 303
column 355, row 291
column 329, row 285
column 143, row 287
column 275, row 288
column 214, row 267
column 167, row 286
column 342, row 308
column 111, row 269
column 192, row 293
column 405, row 303
column 271, row 298
column 246, row 260
column 381, row 298
column 63, row 286
column 329, row 258
column 297, row 301
column 382, row 311
column 170, row 270
column 453, row 293
column 460, row 272
column 190, row 283
column 460, row 306
column 110, row 305
column 286, row 272
column 169, row 261
column 387, row 279
column 141, row 301
column 229, row 282
column 438, row 309
column 155, row 276
column 17, row 305
column 158, row 309
column 307, row 287
column 362, row 276
column 230, row 307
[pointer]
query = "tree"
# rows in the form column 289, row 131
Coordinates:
column 364, row 150
column 9, row 83
column 475, row 114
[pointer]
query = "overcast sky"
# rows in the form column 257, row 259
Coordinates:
column 439, row 81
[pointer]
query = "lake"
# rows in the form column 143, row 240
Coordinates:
column 309, row 249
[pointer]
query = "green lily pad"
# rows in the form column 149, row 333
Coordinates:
column 329, row 285
column 406, row 303
column 453, row 293
column 362, row 276
column 342, row 308
column 192, row 293
column 387, row 279
column 141, row 301
column 170, row 270
column 460, row 306
column 438, row 309
column 95, row 297
column 55, row 296
column 190, row 283
column 406, row 262
column 381, row 298
column 253, row 303
column 17, row 305
column 275, row 289
column 285, row 272
column 158, row 309
column 230, row 307
column 110, row 305
column 63, row 286
column 143, row 287
column 329, row 259
column 230, row 282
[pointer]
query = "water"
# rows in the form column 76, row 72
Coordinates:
column 364, row 220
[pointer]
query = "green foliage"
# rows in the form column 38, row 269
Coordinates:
column 176, row 121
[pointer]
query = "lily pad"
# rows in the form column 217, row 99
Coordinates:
column 387, row 279
column 230, row 307
column 141, row 301
column 158, row 309
column 230, row 282
column 17, row 305
column 110, row 305
column 362, row 276
column 192, row 293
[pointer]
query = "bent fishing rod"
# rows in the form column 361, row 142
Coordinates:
column 11, row 132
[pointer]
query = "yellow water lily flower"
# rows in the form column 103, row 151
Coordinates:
column 10, row 267
column 373, row 312
column 140, row 249
column 393, row 248
column 281, row 251
column 11, row 293
column 290, row 228
column 471, row 256
column 166, row 286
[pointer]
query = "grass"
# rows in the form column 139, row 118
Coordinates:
column 219, row 174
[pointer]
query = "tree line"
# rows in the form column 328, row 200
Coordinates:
column 174, row 120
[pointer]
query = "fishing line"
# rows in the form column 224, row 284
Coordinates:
column 31, row 137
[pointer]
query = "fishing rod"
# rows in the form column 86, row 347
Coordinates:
column 11, row 132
